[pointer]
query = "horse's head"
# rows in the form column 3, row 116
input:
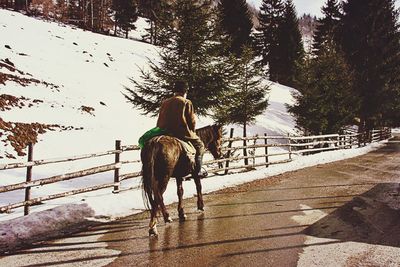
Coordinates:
column 215, row 146
column 212, row 139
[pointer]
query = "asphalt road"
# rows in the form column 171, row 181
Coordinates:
column 345, row 213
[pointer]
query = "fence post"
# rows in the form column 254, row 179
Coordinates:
column 28, row 178
column 266, row 150
column 116, row 171
column 290, row 147
column 338, row 142
column 366, row 134
column 371, row 136
column 254, row 149
column 228, row 155
column 246, row 160
column 351, row 141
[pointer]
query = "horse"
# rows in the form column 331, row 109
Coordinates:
column 163, row 157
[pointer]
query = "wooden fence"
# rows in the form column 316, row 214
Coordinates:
column 261, row 151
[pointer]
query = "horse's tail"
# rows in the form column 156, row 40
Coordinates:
column 148, row 156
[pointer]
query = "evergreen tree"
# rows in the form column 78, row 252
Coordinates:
column 162, row 25
column 146, row 8
column 290, row 52
column 270, row 17
column 74, row 12
column 188, row 57
column 245, row 98
column 326, row 103
column 237, row 23
column 327, row 27
column 125, row 15
column 370, row 38
column 160, row 19
column 22, row 4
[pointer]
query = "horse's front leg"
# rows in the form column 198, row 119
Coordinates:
column 182, row 216
column 200, row 204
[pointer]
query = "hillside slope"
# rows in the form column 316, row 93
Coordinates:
column 61, row 86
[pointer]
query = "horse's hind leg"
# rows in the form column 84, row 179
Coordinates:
column 153, row 221
column 160, row 200
column 200, row 203
column 182, row 216
column 153, row 215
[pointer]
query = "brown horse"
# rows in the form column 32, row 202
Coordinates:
column 163, row 157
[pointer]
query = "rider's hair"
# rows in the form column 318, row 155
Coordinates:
column 180, row 87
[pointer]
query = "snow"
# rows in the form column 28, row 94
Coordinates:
column 88, row 69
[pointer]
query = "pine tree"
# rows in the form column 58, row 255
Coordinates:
column 326, row 103
column 149, row 9
column 22, row 4
column 74, row 12
column 146, row 8
column 290, row 52
column 125, row 15
column 160, row 19
column 327, row 27
column 188, row 57
column 162, row 25
column 270, row 17
column 246, row 97
column 370, row 38
column 237, row 23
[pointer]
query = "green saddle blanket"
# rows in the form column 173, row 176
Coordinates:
column 156, row 131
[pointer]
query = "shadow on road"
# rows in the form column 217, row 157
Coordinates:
column 372, row 217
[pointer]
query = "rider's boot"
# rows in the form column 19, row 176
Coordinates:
column 197, row 168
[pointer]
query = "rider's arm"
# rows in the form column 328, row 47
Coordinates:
column 190, row 117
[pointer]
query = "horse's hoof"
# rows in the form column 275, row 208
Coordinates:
column 168, row 220
column 182, row 217
column 200, row 206
column 153, row 232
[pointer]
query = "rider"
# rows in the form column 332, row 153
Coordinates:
column 178, row 119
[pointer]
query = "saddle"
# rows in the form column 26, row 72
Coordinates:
column 188, row 149
column 157, row 133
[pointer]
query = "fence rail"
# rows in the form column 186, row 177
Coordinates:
column 289, row 145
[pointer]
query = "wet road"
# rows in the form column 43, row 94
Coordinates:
column 345, row 213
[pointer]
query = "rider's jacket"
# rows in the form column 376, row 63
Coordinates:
column 177, row 117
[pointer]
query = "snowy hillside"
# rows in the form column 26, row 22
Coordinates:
column 65, row 85
column 73, row 79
